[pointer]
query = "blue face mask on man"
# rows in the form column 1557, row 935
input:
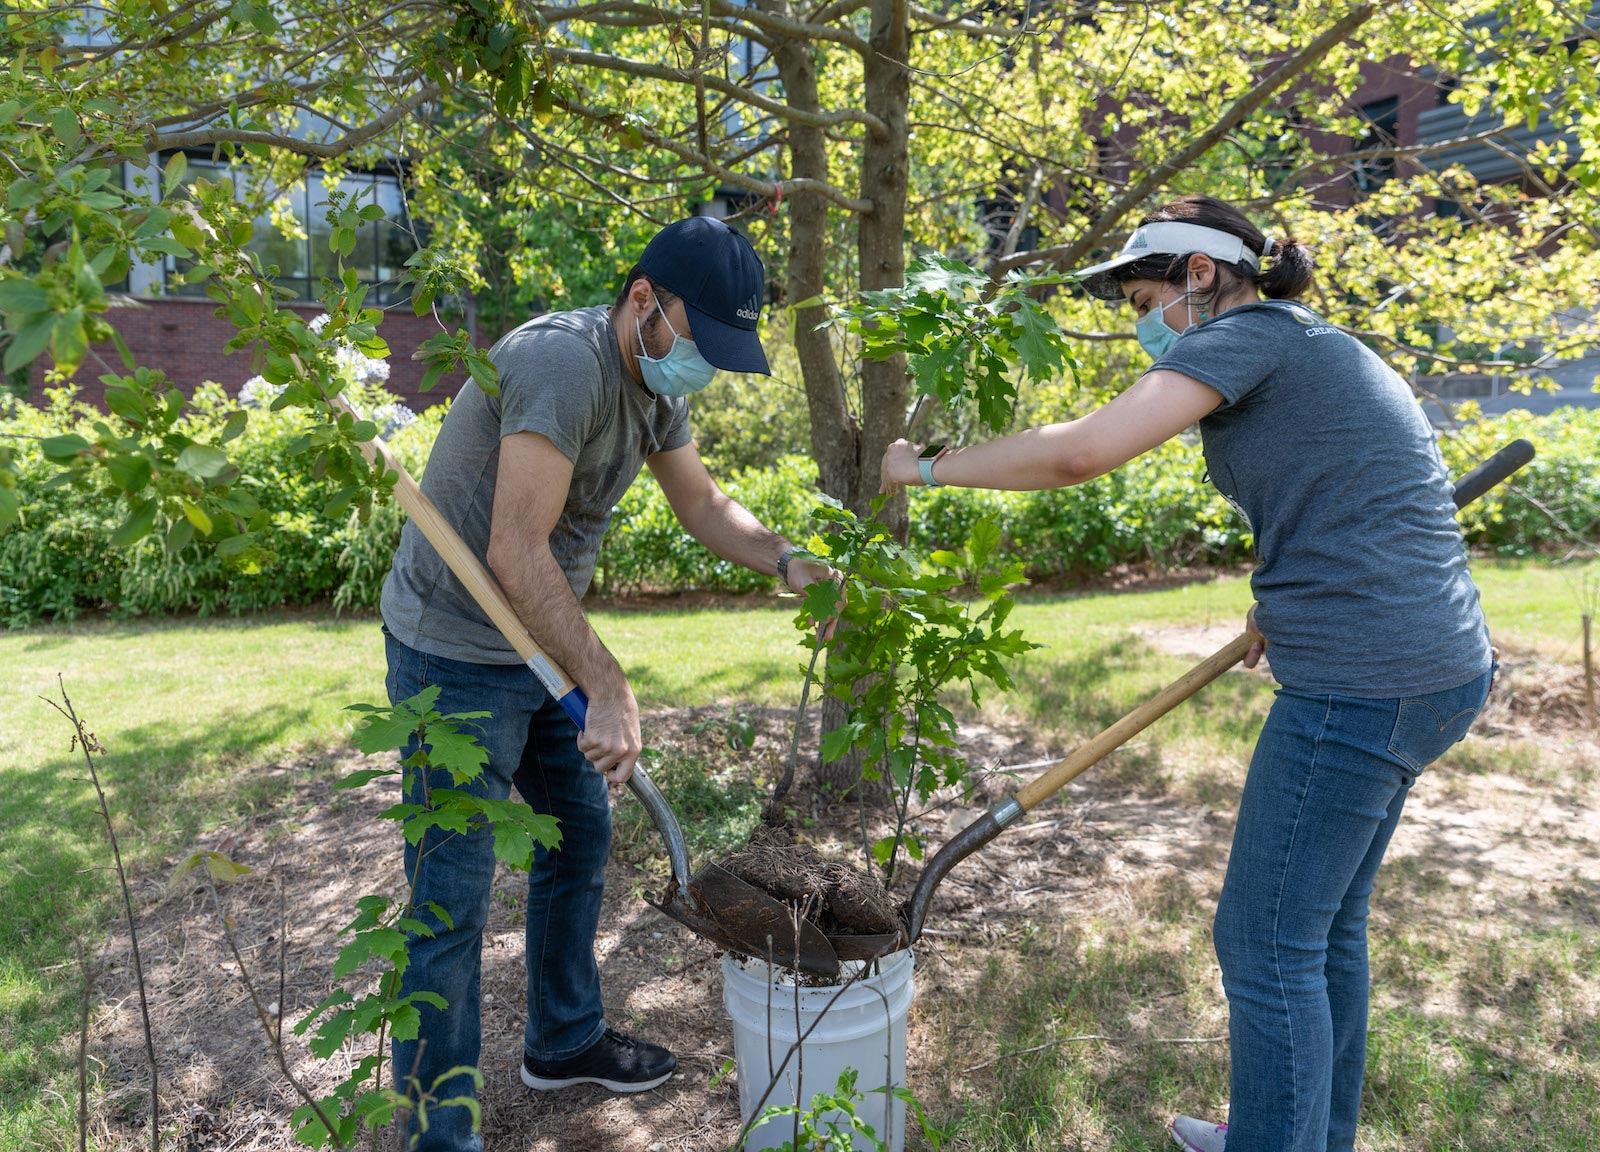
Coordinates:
column 1156, row 336
column 681, row 371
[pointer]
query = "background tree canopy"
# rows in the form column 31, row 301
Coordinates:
column 541, row 144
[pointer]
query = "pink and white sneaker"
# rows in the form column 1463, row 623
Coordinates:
column 1199, row 1135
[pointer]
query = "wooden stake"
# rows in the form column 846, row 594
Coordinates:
column 1588, row 666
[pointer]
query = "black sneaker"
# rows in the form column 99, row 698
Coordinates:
column 614, row 1061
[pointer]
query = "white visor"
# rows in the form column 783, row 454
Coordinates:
column 1166, row 238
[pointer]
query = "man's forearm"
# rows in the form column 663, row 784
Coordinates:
column 538, row 590
column 728, row 529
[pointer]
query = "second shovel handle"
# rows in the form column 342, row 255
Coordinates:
column 1086, row 755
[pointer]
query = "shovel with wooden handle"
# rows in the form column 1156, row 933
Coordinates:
column 1009, row 810
column 712, row 902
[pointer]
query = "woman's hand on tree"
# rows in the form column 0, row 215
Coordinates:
column 899, row 466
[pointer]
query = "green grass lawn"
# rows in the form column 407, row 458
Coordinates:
column 193, row 713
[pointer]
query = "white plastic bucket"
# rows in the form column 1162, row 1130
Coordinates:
column 862, row 1027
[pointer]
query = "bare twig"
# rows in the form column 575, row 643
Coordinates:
column 262, row 1014
column 1135, row 1040
column 84, row 739
column 283, row 961
column 83, row 1049
column 774, row 811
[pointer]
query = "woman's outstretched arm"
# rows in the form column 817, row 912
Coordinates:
column 1158, row 406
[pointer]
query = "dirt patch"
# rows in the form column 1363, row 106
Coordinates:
column 1194, row 641
column 1532, row 696
column 1500, row 845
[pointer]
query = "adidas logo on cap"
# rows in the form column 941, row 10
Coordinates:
column 751, row 310
column 1137, row 240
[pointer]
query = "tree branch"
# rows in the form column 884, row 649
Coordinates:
column 836, row 10
column 687, row 154
column 1236, row 113
column 748, row 96
column 815, row 29
column 933, row 22
column 1409, row 152
column 1515, row 366
column 350, row 141
column 263, row 1017
column 550, row 147
column 732, row 17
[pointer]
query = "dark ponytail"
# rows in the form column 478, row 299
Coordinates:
column 1286, row 264
column 1286, row 271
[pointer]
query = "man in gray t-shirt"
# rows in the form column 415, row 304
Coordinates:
column 529, row 479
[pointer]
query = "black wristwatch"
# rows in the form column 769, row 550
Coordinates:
column 783, row 564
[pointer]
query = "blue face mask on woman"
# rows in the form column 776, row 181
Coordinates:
column 1156, row 336
column 681, row 371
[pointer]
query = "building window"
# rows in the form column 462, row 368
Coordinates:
column 1383, row 131
column 292, row 235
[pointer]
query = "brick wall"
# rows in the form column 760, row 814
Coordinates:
column 184, row 339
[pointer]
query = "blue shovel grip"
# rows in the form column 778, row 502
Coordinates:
column 576, row 705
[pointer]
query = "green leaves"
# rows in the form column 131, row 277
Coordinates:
column 137, row 525
column 382, row 930
column 445, row 353
column 518, row 831
column 147, row 457
column 387, row 728
column 172, row 178
column 64, row 449
column 203, row 461
column 909, row 631
column 21, row 295
column 29, row 338
column 966, row 338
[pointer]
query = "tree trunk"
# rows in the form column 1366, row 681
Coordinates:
column 881, row 248
column 835, row 435
column 881, row 254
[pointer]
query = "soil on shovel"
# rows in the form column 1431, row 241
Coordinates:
column 835, row 897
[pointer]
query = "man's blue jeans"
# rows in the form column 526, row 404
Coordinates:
column 531, row 744
column 1324, row 793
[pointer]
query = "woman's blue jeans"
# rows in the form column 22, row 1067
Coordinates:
column 1326, row 785
column 532, row 745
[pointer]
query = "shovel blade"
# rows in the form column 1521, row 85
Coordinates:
column 867, row 947
column 740, row 917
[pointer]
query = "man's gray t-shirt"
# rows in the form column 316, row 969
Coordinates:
column 1362, row 581
column 561, row 376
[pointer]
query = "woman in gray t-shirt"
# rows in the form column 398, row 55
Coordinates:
column 1361, row 589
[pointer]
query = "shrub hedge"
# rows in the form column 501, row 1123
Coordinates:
column 1157, row 510
column 55, row 563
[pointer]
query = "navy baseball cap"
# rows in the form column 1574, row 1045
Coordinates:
column 720, row 280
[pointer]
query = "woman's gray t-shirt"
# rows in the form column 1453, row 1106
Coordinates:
column 561, row 376
column 1362, row 578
